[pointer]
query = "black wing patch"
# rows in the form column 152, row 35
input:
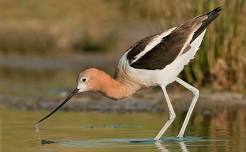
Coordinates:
column 170, row 46
column 212, row 15
column 165, row 52
column 137, row 48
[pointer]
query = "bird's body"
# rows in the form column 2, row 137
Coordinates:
column 163, row 76
column 153, row 61
column 158, row 59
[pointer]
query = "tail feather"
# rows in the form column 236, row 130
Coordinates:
column 212, row 15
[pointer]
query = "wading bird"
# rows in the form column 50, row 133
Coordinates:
column 156, row 60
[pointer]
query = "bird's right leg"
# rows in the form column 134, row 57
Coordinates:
column 172, row 114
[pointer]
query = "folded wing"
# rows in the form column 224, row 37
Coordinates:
column 156, row 52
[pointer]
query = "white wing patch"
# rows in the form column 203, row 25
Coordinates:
column 189, row 39
column 155, row 41
column 187, row 56
column 164, row 76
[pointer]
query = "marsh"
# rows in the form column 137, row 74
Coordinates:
column 44, row 45
column 94, row 131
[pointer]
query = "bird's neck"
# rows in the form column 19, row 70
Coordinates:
column 117, row 88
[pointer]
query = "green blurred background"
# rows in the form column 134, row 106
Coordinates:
column 55, row 29
column 45, row 43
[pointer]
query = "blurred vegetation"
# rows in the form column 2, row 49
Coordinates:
column 89, row 43
column 222, row 57
column 25, row 40
column 42, row 27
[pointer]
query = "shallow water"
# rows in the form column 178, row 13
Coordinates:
column 110, row 132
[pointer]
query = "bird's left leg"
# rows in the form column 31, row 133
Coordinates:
column 195, row 92
column 172, row 114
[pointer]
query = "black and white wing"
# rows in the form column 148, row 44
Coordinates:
column 156, row 52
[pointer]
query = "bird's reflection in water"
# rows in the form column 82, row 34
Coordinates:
column 161, row 147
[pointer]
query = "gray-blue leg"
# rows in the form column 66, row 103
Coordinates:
column 172, row 114
column 195, row 92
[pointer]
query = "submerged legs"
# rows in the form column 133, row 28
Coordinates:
column 172, row 114
column 192, row 105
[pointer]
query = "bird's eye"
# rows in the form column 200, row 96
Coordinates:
column 83, row 79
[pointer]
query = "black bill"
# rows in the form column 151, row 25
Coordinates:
column 75, row 91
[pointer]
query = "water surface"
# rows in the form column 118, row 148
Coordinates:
column 125, row 132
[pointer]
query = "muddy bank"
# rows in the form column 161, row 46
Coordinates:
column 150, row 100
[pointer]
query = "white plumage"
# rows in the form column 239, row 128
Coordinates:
column 147, row 68
column 155, row 41
column 164, row 76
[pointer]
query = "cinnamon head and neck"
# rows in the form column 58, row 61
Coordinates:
column 96, row 80
column 115, row 88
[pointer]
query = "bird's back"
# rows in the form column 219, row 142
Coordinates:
column 165, row 54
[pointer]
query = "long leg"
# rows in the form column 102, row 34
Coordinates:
column 192, row 105
column 172, row 114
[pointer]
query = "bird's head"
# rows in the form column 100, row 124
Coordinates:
column 90, row 80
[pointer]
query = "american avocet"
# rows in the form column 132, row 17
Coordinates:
column 153, row 61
